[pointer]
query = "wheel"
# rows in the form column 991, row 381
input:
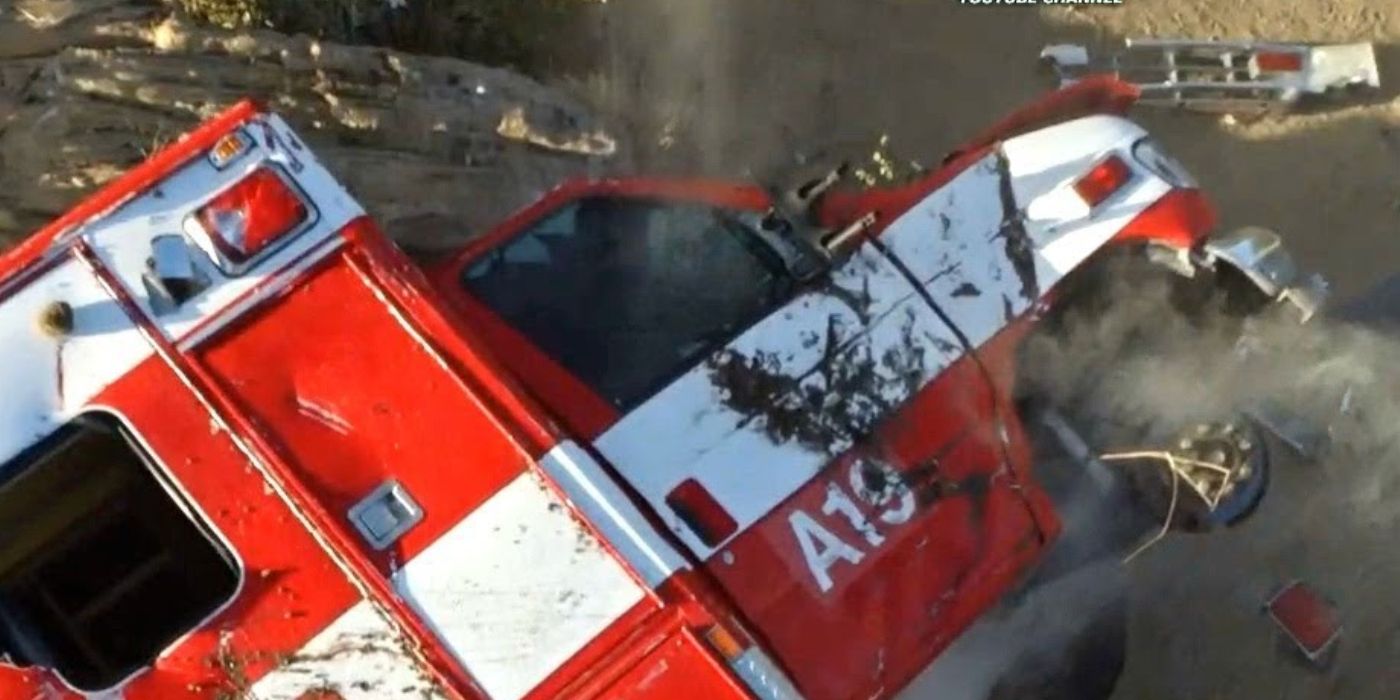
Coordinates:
column 1096, row 359
column 1238, row 447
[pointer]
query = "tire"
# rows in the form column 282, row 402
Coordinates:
column 1150, row 486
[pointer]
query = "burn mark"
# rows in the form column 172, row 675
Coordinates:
column 905, row 360
column 967, row 289
column 1008, row 310
column 1019, row 249
column 832, row 407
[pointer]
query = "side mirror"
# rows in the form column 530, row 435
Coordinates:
column 171, row 277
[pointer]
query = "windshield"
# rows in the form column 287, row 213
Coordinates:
column 629, row 293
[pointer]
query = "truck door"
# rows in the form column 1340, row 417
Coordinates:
column 826, row 448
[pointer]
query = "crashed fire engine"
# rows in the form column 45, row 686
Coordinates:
column 644, row 439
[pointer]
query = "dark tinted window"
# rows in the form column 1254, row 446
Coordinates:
column 626, row 293
column 100, row 568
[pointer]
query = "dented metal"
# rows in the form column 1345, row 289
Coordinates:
column 1260, row 255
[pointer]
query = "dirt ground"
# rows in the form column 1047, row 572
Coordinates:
column 751, row 87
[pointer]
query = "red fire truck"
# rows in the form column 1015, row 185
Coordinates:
column 645, row 439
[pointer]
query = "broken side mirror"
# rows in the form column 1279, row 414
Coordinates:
column 1260, row 256
column 171, row 277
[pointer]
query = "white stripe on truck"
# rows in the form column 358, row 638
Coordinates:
column 516, row 588
column 609, row 510
column 359, row 656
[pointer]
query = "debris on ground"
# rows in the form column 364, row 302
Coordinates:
column 1309, row 620
column 1226, row 76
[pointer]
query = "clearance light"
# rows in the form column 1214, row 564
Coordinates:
column 246, row 218
column 724, row 642
column 699, row 509
column 1279, row 62
column 1103, row 180
column 228, row 149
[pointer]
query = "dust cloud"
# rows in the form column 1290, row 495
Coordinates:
column 1137, row 361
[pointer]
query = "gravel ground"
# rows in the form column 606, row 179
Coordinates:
column 737, row 87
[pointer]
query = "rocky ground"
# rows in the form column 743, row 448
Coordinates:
column 88, row 88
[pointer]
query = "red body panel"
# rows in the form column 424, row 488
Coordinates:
column 343, row 444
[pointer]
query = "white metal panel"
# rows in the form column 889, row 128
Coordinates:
column 867, row 313
column 122, row 239
column 599, row 499
column 359, row 656
column 958, row 240
column 1043, row 166
column 516, row 588
column 45, row 380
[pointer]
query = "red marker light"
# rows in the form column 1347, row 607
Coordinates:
column 1279, row 62
column 1103, row 180
column 244, row 219
column 699, row 509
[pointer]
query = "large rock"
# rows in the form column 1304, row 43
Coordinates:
column 89, row 88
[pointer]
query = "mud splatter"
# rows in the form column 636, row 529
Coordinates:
column 834, row 406
column 858, row 301
column 967, row 289
column 1019, row 249
column 945, row 346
